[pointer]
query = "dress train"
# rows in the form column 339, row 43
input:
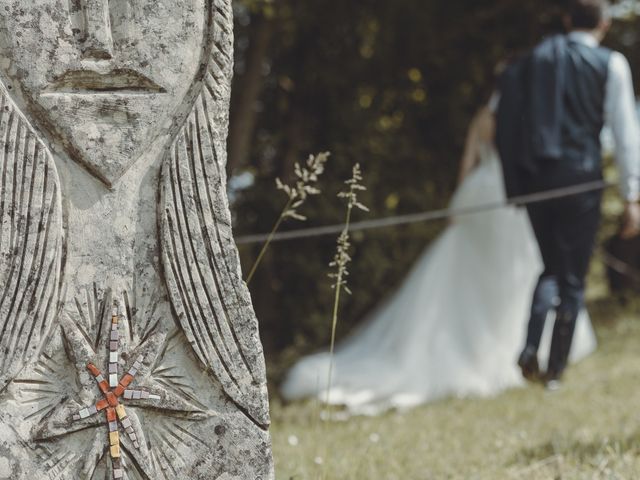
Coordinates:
column 456, row 324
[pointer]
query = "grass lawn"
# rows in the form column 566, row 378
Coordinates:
column 588, row 430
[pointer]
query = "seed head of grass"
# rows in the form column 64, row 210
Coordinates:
column 342, row 258
column 307, row 176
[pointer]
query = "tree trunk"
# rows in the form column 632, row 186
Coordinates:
column 247, row 93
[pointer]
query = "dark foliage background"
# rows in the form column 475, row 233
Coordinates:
column 389, row 84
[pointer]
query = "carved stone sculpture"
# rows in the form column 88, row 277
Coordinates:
column 128, row 343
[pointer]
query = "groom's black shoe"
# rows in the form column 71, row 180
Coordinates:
column 528, row 363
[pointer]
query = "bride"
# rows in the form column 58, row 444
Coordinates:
column 455, row 326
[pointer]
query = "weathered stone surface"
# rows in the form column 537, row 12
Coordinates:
column 128, row 343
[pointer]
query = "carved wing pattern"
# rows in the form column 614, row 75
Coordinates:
column 30, row 241
column 201, row 262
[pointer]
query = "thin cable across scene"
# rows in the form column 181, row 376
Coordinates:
column 428, row 216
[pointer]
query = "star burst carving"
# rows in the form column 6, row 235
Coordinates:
column 114, row 391
column 126, row 391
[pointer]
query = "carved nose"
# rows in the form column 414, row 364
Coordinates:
column 97, row 41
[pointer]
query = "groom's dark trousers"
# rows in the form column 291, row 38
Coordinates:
column 565, row 229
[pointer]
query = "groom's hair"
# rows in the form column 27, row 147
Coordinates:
column 587, row 14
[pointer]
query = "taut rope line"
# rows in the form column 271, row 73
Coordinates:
column 428, row 216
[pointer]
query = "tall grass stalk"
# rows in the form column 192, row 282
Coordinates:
column 340, row 263
column 307, row 177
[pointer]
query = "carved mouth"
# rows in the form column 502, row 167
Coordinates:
column 121, row 80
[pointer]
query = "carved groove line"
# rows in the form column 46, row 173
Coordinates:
column 186, row 258
column 217, row 91
column 222, row 225
column 216, row 301
column 30, row 241
column 201, row 261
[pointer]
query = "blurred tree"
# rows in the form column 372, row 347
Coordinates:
column 251, row 65
column 391, row 85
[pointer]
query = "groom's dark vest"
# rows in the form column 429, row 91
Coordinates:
column 551, row 115
column 586, row 72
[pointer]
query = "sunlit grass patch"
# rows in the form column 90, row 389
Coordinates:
column 588, row 430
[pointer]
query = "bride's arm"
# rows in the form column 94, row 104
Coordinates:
column 481, row 131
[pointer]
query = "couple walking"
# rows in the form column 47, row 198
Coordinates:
column 455, row 326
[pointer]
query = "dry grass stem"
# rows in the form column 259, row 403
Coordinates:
column 305, row 185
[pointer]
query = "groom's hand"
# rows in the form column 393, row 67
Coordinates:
column 631, row 220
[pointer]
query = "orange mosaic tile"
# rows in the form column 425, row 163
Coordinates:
column 93, row 369
column 111, row 415
column 126, row 380
column 112, row 399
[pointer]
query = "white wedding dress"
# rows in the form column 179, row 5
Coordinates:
column 457, row 323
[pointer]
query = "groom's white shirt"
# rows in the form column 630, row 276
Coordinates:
column 621, row 117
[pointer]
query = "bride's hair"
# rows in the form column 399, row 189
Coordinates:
column 587, row 14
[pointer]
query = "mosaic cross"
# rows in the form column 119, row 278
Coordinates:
column 114, row 391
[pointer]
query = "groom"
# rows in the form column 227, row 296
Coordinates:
column 554, row 104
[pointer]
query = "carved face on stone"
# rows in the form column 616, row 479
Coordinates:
column 134, row 351
column 102, row 78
